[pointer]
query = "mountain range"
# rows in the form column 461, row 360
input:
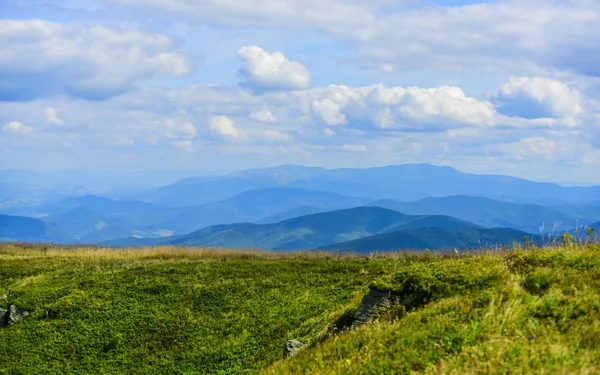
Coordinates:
column 295, row 207
column 492, row 213
column 306, row 232
column 403, row 182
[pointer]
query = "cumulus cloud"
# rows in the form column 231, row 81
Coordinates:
column 52, row 116
column 397, row 108
column 224, row 127
column 264, row 115
column 385, row 124
column 265, row 70
column 15, row 128
column 180, row 129
column 92, row 62
column 539, row 97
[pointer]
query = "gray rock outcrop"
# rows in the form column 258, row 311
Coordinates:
column 12, row 316
column 372, row 304
column 291, row 348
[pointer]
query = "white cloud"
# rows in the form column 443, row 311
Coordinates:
column 52, row 116
column 264, row 115
column 398, row 108
column 87, row 61
column 225, row 127
column 557, row 98
column 180, row 129
column 15, row 128
column 384, row 124
column 264, row 70
column 501, row 35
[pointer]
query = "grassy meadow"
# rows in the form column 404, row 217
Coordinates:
column 212, row 311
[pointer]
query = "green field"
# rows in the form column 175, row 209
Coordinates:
column 174, row 310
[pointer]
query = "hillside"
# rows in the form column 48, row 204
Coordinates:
column 90, row 227
column 101, row 205
column 492, row 213
column 305, row 232
column 293, row 213
column 18, row 228
column 434, row 238
column 254, row 205
column 173, row 310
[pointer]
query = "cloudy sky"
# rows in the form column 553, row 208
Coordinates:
column 507, row 86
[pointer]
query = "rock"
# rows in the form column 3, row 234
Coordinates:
column 12, row 316
column 372, row 304
column 50, row 314
column 3, row 318
column 291, row 348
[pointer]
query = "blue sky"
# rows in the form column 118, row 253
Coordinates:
column 506, row 87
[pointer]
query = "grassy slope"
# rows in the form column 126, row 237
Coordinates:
column 170, row 310
column 530, row 312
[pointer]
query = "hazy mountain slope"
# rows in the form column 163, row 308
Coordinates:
column 293, row 213
column 433, row 238
column 487, row 212
column 101, row 205
column 404, row 182
column 253, row 205
column 308, row 231
column 18, row 228
column 88, row 226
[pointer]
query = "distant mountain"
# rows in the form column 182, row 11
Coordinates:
column 293, row 213
column 253, row 205
column 307, row 232
column 25, row 229
column 88, row 226
column 403, row 182
column 98, row 181
column 433, row 238
column 104, row 206
column 493, row 213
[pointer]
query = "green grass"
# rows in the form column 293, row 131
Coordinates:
column 201, row 311
column 525, row 312
column 168, row 310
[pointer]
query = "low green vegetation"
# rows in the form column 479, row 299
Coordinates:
column 201, row 311
column 523, row 312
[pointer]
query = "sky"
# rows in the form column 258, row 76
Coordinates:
column 503, row 87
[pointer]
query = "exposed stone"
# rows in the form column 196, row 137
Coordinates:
column 3, row 318
column 50, row 314
column 12, row 316
column 292, row 347
column 372, row 304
